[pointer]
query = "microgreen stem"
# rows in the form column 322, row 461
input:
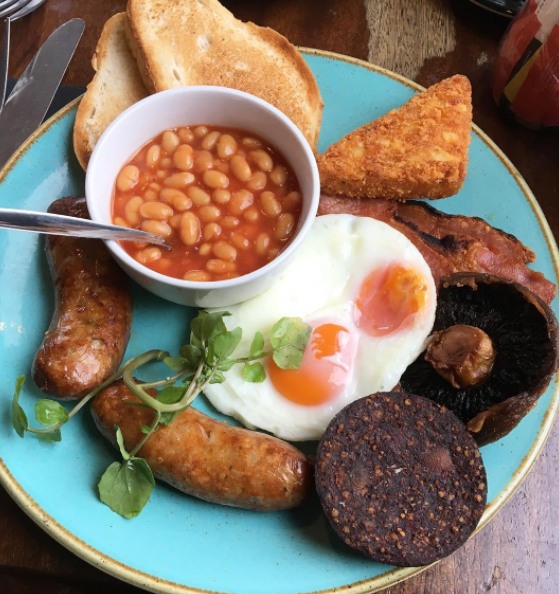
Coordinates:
column 152, row 428
column 208, row 379
column 255, row 358
column 193, row 384
column 86, row 399
column 166, row 382
column 139, row 390
column 136, row 389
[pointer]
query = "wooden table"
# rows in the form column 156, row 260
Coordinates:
column 426, row 40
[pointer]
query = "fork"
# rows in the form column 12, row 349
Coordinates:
column 11, row 10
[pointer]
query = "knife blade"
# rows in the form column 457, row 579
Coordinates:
column 31, row 97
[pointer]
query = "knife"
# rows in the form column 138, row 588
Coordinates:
column 31, row 97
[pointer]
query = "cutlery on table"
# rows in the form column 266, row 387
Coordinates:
column 33, row 93
column 10, row 11
column 54, row 224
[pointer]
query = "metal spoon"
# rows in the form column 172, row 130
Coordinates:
column 12, row 10
column 53, row 224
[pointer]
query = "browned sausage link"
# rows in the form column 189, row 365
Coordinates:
column 90, row 327
column 207, row 458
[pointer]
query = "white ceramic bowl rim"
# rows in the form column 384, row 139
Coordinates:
column 300, row 232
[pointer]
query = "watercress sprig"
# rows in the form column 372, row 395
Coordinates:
column 126, row 486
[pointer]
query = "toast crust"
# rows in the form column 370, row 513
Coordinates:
column 106, row 97
column 417, row 151
column 223, row 51
column 139, row 56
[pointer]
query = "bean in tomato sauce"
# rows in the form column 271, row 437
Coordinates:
column 226, row 201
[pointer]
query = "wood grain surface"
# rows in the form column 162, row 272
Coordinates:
column 427, row 40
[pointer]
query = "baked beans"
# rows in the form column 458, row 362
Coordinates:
column 208, row 142
column 215, row 179
column 157, row 228
column 226, row 202
column 205, row 249
column 151, row 194
column 221, row 196
column 270, row 205
column 148, row 255
column 155, row 210
column 127, row 178
column 257, row 182
column 153, row 156
column 211, row 231
column 226, row 146
column 169, row 141
column 185, row 135
column 229, row 222
column 131, row 210
column 183, row 157
column 240, row 168
column 198, row 196
column 190, row 229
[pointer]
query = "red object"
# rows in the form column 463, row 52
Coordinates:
column 526, row 77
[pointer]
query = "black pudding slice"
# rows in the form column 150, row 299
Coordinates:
column 400, row 479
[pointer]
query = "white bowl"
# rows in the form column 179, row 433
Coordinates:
column 184, row 107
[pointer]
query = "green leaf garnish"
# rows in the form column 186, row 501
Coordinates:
column 289, row 338
column 145, row 429
column 55, row 435
column 254, row 372
column 170, row 395
column 126, row 486
column 19, row 418
column 226, row 364
column 50, row 412
column 226, row 343
column 196, row 326
column 177, row 364
column 217, row 378
column 192, row 354
column 288, row 357
column 213, row 325
column 257, row 345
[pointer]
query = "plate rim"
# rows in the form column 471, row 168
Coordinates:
column 152, row 583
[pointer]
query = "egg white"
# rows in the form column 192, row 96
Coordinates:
column 322, row 283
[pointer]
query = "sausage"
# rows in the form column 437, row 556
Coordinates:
column 90, row 327
column 209, row 459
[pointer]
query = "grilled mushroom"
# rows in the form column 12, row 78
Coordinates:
column 493, row 354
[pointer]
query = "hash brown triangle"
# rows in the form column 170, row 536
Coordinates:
column 417, row 151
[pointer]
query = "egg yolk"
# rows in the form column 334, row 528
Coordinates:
column 324, row 370
column 388, row 300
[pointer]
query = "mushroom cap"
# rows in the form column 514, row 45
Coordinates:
column 525, row 335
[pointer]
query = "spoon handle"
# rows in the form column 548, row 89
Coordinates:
column 54, row 224
column 4, row 62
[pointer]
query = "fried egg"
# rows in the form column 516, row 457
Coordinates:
column 370, row 299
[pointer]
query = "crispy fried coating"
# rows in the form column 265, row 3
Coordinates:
column 417, row 151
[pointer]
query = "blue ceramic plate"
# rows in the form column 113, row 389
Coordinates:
column 180, row 544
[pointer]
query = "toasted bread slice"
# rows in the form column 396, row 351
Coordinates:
column 116, row 86
column 199, row 42
column 417, row 151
